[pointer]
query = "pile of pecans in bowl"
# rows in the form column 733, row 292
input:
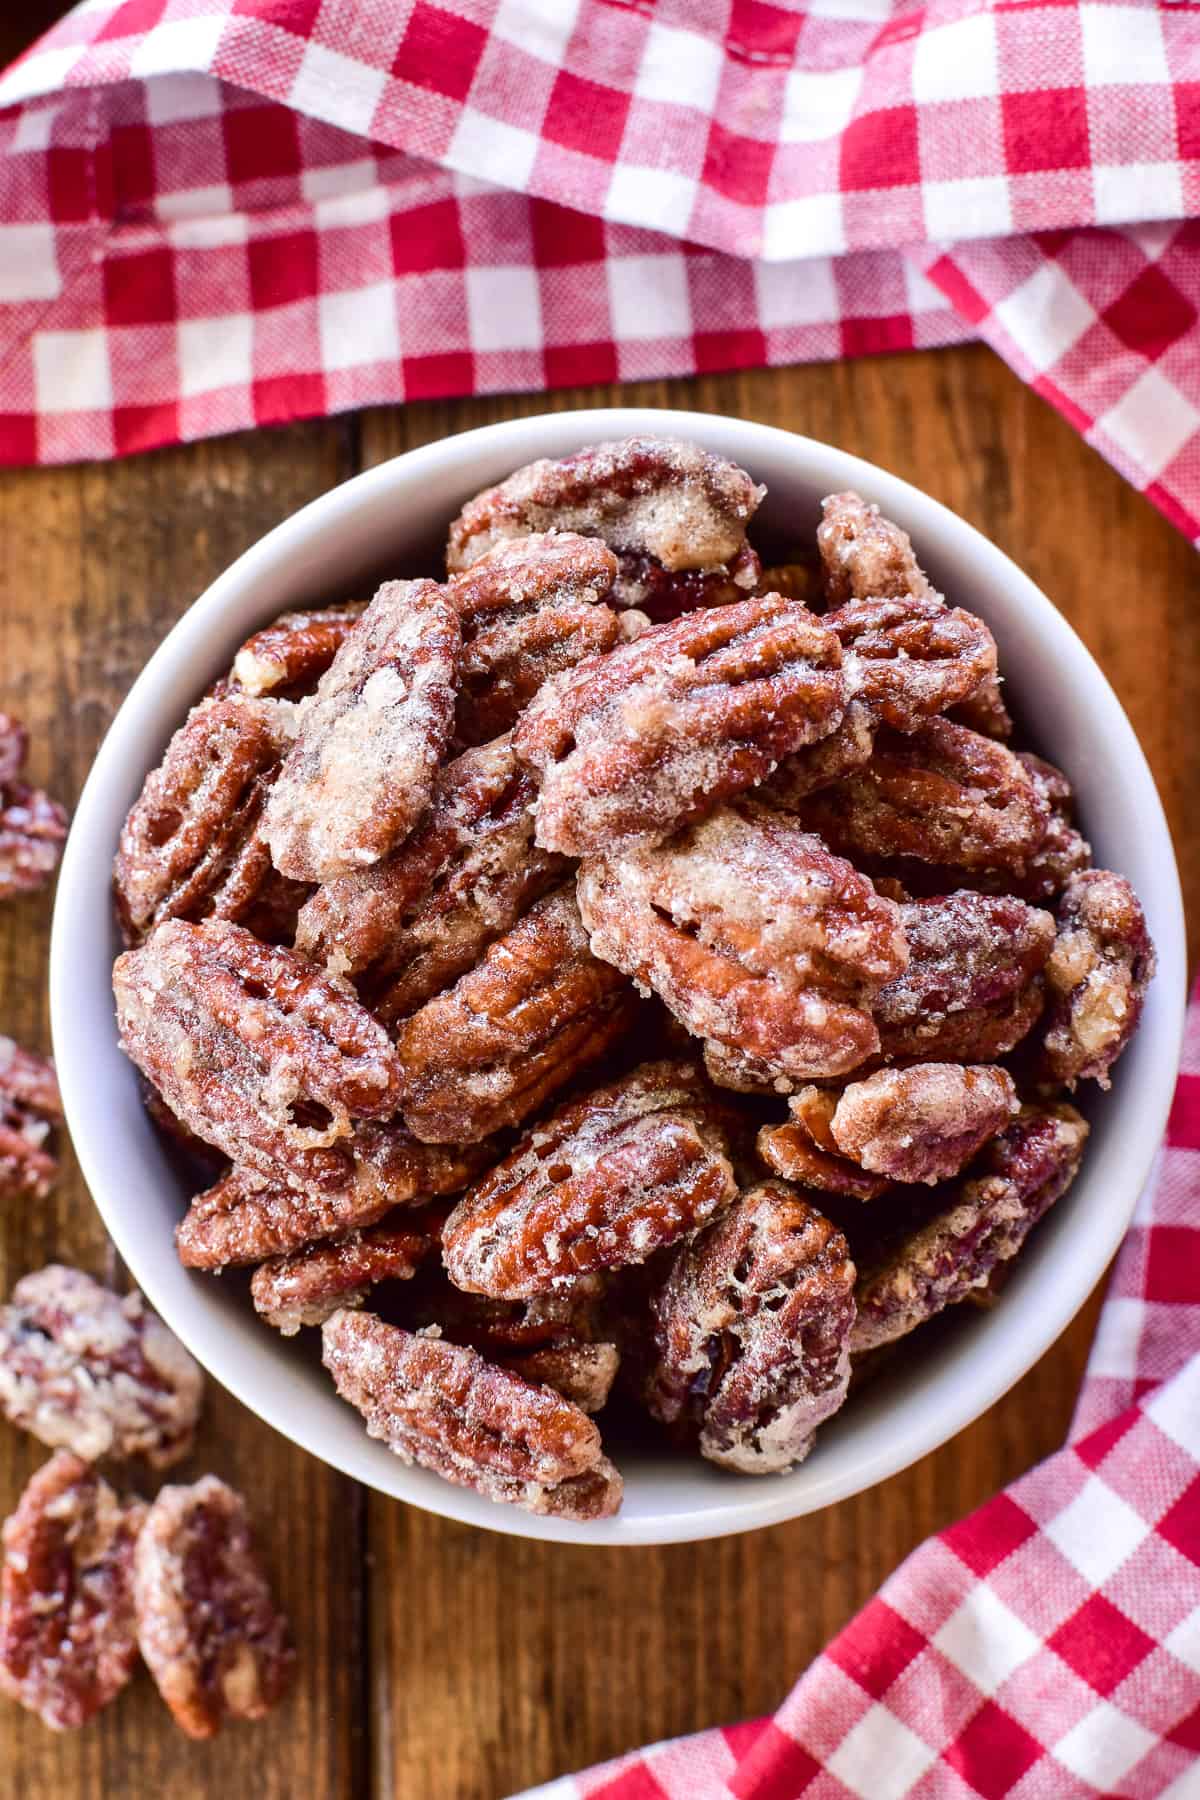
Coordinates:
column 616, row 972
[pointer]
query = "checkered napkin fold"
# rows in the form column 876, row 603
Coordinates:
column 1048, row 1646
column 221, row 213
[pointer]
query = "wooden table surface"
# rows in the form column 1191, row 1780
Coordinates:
column 436, row 1662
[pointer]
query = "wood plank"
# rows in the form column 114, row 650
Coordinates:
column 498, row 1663
column 95, row 564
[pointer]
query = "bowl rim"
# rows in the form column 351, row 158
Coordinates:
column 752, row 1504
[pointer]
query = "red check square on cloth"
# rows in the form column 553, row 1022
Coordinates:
column 222, row 213
column 1048, row 1646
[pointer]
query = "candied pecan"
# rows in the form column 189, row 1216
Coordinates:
column 971, row 989
column 984, row 710
column 755, row 936
column 581, row 1373
column 819, row 765
column 208, row 1627
column 561, row 1339
column 662, row 505
column 243, row 1218
column 530, row 608
column 537, row 1009
column 1021, row 1174
column 1096, row 978
column 413, row 924
column 923, row 1123
column 752, row 1330
column 288, row 657
column 30, row 1106
column 33, row 829
column 360, row 771
column 306, row 1287
column 14, row 748
column 192, row 843
column 911, row 658
column 67, row 1638
column 606, row 1180
column 789, row 1151
column 797, row 579
column 479, row 1426
column 941, row 795
column 660, row 594
column 253, row 1048
column 85, row 1370
column 865, row 556
column 1063, row 851
column 634, row 743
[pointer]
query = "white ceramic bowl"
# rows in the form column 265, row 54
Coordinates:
column 380, row 521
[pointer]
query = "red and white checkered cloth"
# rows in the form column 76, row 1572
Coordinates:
column 1048, row 1646
column 221, row 213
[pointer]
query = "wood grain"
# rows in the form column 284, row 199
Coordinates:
column 439, row 1663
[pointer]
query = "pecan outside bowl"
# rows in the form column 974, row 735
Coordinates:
column 390, row 520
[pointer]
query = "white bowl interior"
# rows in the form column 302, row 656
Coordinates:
column 375, row 524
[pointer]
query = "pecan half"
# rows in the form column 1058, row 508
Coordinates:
column 752, row 1332
column 941, row 795
column 1021, row 1174
column 604, row 1181
column 412, row 925
column 756, row 937
column 253, row 1048
column 865, row 556
column 819, row 765
column 537, row 1009
column 985, row 711
column 530, row 608
column 479, row 1426
column 911, row 658
column 659, row 594
column 923, row 1123
column 634, row 743
column 192, row 844
column 1063, row 851
column 33, row 830
column 67, row 1638
column 87, row 1371
column 667, row 508
column 1096, row 979
column 360, row 771
column 559, row 1339
column 208, row 1628
column 971, row 990
column 30, row 1107
column 288, row 657
column 243, row 1218
column 788, row 1150
column 305, row 1288
column 581, row 1373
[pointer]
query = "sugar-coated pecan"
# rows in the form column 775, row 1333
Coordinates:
column 14, row 748
column 442, row 1406
column 788, row 1150
column 830, row 759
column 412, row 925
column 209, row 1630
column 87, row 1371
column 581, row 1373
column 67, row 1638
column 288, row 657
column 990, row 1214
column 923, row 1123
column 1096, row 979
column 306, row 1287
column 865, row 556
column 911, row 658
column 799, row 578
column 33, row 830
column 659, row 593
column 604, row 1181
column 534, row 1012
column 361, row 768
column 941, row 795
column 530, row 608
column 244, row 1217
column 755, row 936
column 667, row 508
column 253, row 1048
column 192, row 843
column 1063, row 851
column 752, row 1331
column 971, row 989
column 634, row 743
column 984, row 710
column 30, row 1107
